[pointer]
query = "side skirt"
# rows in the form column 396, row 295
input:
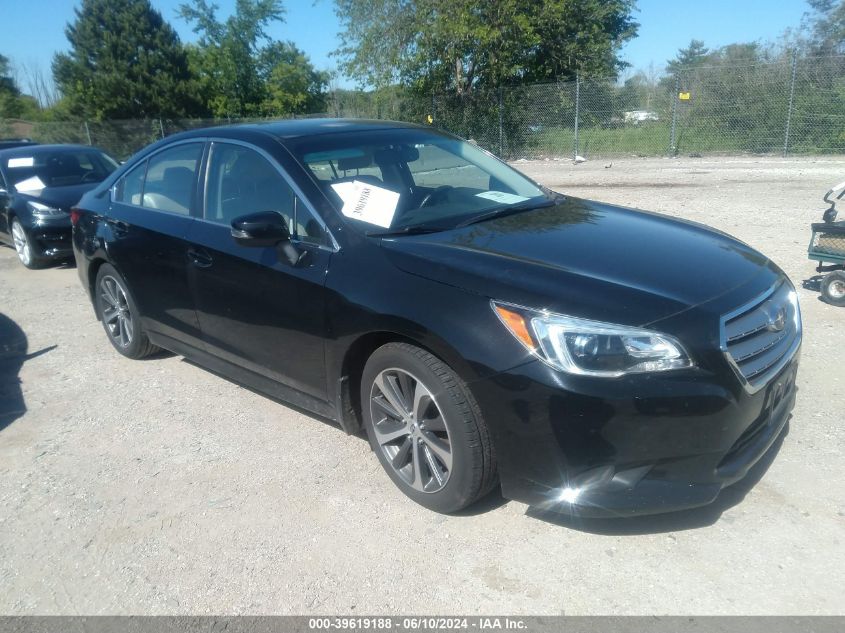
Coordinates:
column 245, row 377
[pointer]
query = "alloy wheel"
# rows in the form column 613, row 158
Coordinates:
column 117, row 317
column 21, row 243
column 411, row 430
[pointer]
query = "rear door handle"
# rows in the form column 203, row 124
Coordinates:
column 118, row 227
column 200, row 257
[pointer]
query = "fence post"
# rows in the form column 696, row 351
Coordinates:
column 577, row 113
column 501, row 125
column 88, row 133
column 161, row 127
column 791, row 103
column 673, row 150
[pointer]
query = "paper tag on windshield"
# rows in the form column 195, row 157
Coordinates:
column 501, row 196
column 30, row 184
column 368, row 203
column 26, row 161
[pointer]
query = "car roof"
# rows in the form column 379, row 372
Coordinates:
column 33, row 149
column 295, row 128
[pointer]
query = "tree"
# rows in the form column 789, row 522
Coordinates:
column 292, row 84
column 125, row 62
column 580, row 36
column 9, row 91
column 13, row 103
column 827, row 27
column 461, row 45
column 638, row 92
column 694, row 55
column 227, row 55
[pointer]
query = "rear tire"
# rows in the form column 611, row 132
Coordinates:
column 426, row 428
column 119, row 315
column 833, row 288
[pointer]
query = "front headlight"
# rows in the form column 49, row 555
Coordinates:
column 591, row 348
column 43, row 211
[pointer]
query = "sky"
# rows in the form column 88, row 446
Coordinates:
column 34, row 29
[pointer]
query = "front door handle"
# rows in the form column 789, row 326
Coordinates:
column 200, row 257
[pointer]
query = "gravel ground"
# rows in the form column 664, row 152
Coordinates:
column 157, row 487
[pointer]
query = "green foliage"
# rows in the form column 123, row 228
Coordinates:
column 242, row 72
column 291, row 83
column 642, row 91
column 818, row 118
column 463, row 45
column 692, row 56
column 579, row 36
column 8, row 85
column 10, row 106
column 125, row 62
column 226, row 56
column 14, row 104
column 827, row 27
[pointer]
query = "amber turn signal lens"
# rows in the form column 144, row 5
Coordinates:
column 516, row 324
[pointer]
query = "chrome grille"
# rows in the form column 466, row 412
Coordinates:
column 761, row 337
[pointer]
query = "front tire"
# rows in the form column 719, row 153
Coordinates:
column 23, row 246
column 426, row 428
column 833, row 288
column 119, row 315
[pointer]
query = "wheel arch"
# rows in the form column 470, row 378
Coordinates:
column 13, row 215
column 18, row 210
column 347, row 384
column 93, row 268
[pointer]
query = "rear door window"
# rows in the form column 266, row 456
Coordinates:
column 170, row 183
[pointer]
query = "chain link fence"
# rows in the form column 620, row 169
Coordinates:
column 793, row 106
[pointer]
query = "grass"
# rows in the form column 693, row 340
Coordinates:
column 648, row 139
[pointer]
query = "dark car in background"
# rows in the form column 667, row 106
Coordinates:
column 8, row 143
column 593, row 359
column 38, row 186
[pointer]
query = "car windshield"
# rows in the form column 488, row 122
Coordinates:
column 406, row 179
column 40, row 169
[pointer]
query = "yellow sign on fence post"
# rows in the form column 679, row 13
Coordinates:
column 684, row 96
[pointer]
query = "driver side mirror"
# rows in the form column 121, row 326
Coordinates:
column 263, row 229
column 267, row 228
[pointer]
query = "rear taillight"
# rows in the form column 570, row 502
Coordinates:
column 75, row 214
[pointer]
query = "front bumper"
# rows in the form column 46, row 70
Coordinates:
column 51, row 240
column 641, row 445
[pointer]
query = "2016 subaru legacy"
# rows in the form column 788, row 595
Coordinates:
column 482, row 329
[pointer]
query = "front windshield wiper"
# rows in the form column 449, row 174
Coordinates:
column 500, row 212
column 407, row 230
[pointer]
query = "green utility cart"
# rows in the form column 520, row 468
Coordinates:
column 827, row 247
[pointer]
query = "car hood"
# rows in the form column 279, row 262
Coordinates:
column 587, row 259
column 58, row 197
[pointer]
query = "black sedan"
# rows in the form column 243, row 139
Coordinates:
column 482, row 329
column 38, row 186
column 8, row 143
